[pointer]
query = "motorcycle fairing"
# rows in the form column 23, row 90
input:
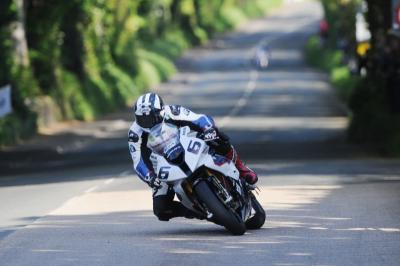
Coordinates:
column 196, row 155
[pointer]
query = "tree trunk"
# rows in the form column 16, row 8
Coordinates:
column 19, row 36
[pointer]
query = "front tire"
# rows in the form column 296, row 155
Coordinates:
column 258, row 219
column 221, row 213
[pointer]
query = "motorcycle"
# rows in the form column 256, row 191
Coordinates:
column 262, row 57
column 204, row 182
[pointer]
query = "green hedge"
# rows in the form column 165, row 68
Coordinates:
column 340, row 15
column 331, row 61
column 372, row 123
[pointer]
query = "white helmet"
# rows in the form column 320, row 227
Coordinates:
column 148, row 109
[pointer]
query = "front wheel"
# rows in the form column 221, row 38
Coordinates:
column 224, row 216
column 258, row 219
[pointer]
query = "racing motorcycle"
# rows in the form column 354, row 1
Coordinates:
column 205, row 182
column 262, row 57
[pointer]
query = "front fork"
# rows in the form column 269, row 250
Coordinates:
column 220, row 185
column 217, row 187
column 222, row 188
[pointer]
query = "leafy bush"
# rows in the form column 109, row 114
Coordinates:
column 372, row 123
column 165, row 68
column 259, row 7
column 171, row 45
column 231, row 17
column 374, row 120
column 344, row 81
column 331, row 61
column 340, row 15
column 71, row 100
column 15, row 127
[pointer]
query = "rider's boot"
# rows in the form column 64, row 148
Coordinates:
column 182, row 211
column 246, row 173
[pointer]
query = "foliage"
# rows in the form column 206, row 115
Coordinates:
column 340, row 15
column 344, row 81
column 22, row 123
column 373, row 100
column 94, row 56
column 376, row 102
column 259, row 7
column 331, row 61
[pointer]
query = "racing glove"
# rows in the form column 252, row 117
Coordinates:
column 152, row 180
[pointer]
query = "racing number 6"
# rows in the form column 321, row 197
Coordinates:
column 164, row 172
column 194, row 147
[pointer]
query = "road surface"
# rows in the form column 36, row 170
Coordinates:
column 327, row 202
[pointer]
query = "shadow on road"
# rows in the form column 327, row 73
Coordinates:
column 297, row 232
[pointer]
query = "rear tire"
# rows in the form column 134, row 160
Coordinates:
column 221, row 214
column 257, row 221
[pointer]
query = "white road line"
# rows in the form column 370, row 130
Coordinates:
column 109, row 181
column 250, row 87
column 251, row 84
column 91, row 189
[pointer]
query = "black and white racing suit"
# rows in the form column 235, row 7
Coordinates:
column 163, row 205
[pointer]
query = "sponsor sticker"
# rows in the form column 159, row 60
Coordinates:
column 132, row 148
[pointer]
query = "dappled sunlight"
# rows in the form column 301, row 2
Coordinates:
column 280, row 54
column 291, row 84
column 319, row 211
column 290, row 197
column 106, row 202
column 296, row 228
column 285, row 123
column 98, row 129
column 313, row 217
column 300, row 254
column 189, row 251
column 389, row 230
column 284, row 103
column 50, row 250
column 387, row 169
column 272, row 197
column 187, row 238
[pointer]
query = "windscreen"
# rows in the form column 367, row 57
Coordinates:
column 163, row 138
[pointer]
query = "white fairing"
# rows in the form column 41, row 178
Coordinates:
column 195, row 155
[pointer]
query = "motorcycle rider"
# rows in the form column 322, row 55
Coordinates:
column 149, row 110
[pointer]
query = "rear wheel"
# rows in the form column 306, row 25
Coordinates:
column 224, row 216
column 258, row 219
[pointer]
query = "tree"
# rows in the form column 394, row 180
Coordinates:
column 19, row 36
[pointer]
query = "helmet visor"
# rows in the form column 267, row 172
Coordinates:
column 149, row 121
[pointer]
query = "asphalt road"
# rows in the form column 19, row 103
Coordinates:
column 327, row 202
